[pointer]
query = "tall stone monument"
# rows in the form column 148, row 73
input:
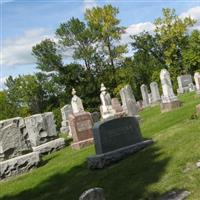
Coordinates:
column 128, row 101
column 155, row 93
column 42, row 133
column 169, row 100
column 66, row 111
column 185, row 84
column 106, row 108
column 145, row 96
column 197, row 81
column 80, row 124
column 16, row 154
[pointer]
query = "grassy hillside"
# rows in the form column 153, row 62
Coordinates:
column 167, row 164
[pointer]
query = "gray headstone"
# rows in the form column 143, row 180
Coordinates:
column 155, row 92
column 41, row 128
column 13, row 138
column 184, row 82
column 128, row 101
column 116, row 133
column 145, row 95
column 93, row 194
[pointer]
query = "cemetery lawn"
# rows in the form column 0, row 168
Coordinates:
column 170, row 163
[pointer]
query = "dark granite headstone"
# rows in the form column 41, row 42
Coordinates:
column 116, row 133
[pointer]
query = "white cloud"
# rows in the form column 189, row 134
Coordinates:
column 136, row 29
column 88, row 4
column 17, row 51
column 194, row 13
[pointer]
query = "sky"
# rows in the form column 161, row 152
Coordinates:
column 25, row 23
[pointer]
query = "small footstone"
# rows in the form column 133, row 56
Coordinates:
column 93, row 194
column 175, row 195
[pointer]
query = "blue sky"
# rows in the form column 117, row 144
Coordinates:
column 25, row 23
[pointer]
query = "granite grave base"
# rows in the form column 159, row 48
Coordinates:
column 82, row 144
column 102, row 160
column 50, row 147
column 18, row 165
column 166, row 107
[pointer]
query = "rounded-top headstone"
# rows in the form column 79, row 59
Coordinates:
column 93, row 194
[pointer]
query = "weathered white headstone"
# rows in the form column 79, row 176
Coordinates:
column 155, row 92
column 169, row 100
column 185, row 83
column 65, row 111
column 106, row 104
column 76, row 103
column 197, row 81
column 93, row 194
column 145, row 96
column 128, row 101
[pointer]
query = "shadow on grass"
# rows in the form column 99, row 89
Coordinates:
column 126, row 180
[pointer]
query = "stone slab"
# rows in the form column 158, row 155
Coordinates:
column 82, row 144
column 175, row 195
column 166, row 107
column 50, row 147
column 106, row 159
column 18, row 165
column 116, row 133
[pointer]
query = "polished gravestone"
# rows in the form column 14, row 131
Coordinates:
column 115, row 139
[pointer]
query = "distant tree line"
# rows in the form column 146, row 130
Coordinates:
column 99, row 56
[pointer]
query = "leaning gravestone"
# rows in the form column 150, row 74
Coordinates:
column 65, row 111
column 169, row 100
column 16, row 154
column 80, row 123
column 185, row 84
column 128, row 101
column 42, row 133
column 116, row 105
column 155, row 93
column 115, row 139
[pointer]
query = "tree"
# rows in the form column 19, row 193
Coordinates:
column 48, row 58
column 171, row 32
column 191, row 54
column 104, row 25
column 75, row 35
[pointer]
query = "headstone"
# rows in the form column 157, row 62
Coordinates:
column 175, row 195
column 185, row 83
column 106, row 104
column 80, row 125
column 197, row 81
column 129, row 104
column 16, row 154
column 169, row 100
column 65, row 111
column 42, row 133
column 150, row 98
column 116, row 105
column 155, row 93
column 114, row 139
column 93, row 194
column 81, row 129
column 14, row 139
column 41, row 128
column 76, row 103
column 145, row 97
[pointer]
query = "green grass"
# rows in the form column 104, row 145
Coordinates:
column 167, row 164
